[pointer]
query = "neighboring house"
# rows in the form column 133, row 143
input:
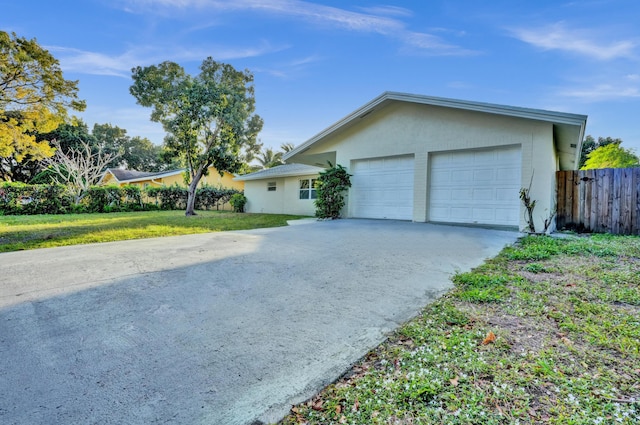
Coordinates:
column 285, row 189
column 430, row 159
column 166, row 178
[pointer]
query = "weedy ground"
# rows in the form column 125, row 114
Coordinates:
column 43, row 231
column 547, row 332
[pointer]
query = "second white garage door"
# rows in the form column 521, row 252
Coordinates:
column 382, row 188
column 476, row 186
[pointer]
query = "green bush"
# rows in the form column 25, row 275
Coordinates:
column 20, row 198
column 169, row 197
column 208, row 197
column 330, row 188
column 238, row 201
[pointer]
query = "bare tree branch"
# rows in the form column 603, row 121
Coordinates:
column 79, row 169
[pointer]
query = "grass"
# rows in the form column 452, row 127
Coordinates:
column 43, row 231
column 547, row 332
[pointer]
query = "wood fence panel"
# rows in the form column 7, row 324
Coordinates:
column 616, row 207
column 635, row 201
column 561, row 210
column 606, row 200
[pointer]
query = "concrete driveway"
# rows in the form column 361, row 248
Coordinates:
column 220, row 328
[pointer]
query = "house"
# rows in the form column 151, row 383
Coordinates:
column 285, row 189
column 430, row 159
column 143, row 179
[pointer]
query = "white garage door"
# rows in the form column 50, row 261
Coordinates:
column 382, row 188
column 476, row 186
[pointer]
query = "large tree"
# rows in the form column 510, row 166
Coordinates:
column 208, row 117
column 611, row 156
column 590, row 144
column 34, row 98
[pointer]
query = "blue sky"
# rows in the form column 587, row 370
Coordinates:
column 316, row 61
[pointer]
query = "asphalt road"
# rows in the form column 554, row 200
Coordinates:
column 220, row 328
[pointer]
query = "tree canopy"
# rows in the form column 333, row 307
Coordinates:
column 34, row 97
column 611, row 155
column 208, row 118
column 590, row 144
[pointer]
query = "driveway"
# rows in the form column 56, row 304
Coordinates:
column 219, row 328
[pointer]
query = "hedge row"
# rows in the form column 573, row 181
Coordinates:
column 20, row 198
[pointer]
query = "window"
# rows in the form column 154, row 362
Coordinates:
column 308, row 189
column 271, row 186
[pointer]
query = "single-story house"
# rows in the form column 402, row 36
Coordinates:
column 120, row 177
column 285, row 189
column 431, row 159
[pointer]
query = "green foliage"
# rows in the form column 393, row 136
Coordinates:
column 208, row 118
column 169, row 197
column 208, row 197
column 34, row 97
column 590, row 144
column 20, row 198
column 330, row 187
column 238, row 202
column 611, row 156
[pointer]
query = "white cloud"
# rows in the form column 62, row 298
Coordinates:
column 119, row 65
column 383, row 20
column 558, row 37
column 602, row 92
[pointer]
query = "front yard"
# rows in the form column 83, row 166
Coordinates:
column 43, row 231
column 548, row 332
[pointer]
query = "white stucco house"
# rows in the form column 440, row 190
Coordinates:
column 430, row 159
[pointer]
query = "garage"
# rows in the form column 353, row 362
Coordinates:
column 476, row 186
column 382, row 188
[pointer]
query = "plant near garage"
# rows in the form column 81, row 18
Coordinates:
column 330, row 187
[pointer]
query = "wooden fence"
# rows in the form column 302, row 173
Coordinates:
column 602, row 201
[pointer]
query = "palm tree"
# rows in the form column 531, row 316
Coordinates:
column 287, row 147
column 269, row 159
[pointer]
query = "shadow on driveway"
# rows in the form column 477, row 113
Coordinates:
column 219, row 328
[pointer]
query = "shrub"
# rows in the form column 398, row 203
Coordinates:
column 208, row 197
column 330, row 187
column 238, row 202
column 171, row 197
column 20, row 198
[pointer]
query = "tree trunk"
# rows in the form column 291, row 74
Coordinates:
column 191, row 198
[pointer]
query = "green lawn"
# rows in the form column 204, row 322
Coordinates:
column 548, row 332
column 41, row 231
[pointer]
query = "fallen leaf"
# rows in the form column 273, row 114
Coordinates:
column 499, row 409
column 566, row 340
column 532, row 412
column 568, row 285
column 454, row 381
column 338, row 409
column 375, row 414
column 343, row 420
column 317, row 405
column 491, row 337
column 356, row 406
column 294, row 409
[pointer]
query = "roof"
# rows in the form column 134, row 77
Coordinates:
column 286, row 170
column 568, row 128
column 128, row 176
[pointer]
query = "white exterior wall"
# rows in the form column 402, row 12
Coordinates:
column 285, row 199
column 413, row 129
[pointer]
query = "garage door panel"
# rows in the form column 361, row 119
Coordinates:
column 475, row 187
column 383, row 188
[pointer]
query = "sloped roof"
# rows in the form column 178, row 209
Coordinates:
column 568, row 128
column 286, row 170
column 121, row 174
